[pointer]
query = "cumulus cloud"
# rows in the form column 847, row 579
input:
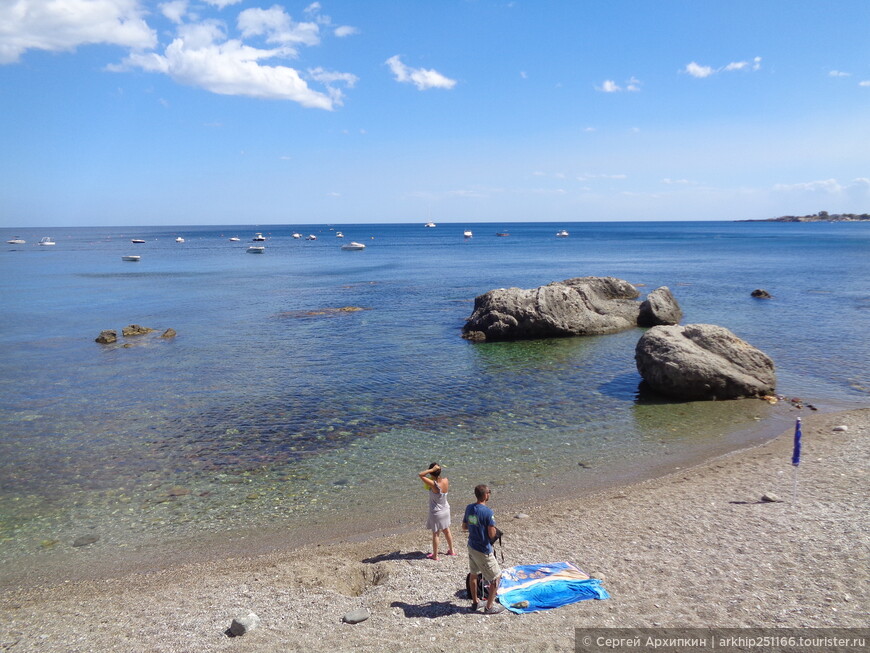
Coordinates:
column 174, row 10
column 632, row 84
column 345, row 30
column 866, row 82
column 221, row 4
column 63, row 25
column 277, row 27
column 697, row 70
column 202, row 56
column 422, row 78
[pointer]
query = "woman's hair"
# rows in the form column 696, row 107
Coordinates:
column 437, row 472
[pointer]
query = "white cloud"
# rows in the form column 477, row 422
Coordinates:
column 697, row 70
column 832, row 192
column 345, row 30
column 421, row 78
column 866, row 82
column 174, row 10
column 839, row 73
column 824, row 185
column 63, row 25
column 277, row 26
column 632, row 84
column 590, row 129
column 201, row 56
column 220, row 4
column 588, row 176
column 330, row 77
column 683, row 182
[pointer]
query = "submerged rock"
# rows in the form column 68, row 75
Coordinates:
column 135, row 330
column 107, row 337
column 761, row 294
column 85, row 540
column 703, row 361
column 169, row 333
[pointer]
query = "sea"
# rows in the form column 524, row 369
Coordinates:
column 307, row 385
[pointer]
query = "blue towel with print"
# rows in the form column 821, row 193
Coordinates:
column 546, row 586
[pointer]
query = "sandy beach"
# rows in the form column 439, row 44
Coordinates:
column 694, row 548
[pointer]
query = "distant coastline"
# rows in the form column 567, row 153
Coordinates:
column 821, row 216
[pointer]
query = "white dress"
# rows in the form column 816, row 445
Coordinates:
column 439, row 510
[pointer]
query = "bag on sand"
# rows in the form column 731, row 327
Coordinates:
column 482, row 588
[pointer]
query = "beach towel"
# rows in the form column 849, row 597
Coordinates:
column 546, row 586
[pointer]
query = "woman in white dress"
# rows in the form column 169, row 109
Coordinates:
column 439, row 509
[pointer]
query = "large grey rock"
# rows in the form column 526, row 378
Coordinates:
column 659, row 308
column 574, row 307
column 703, row 361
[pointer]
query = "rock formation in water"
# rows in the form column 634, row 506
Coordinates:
column 760, row 293
column 575, row 307
column 703, row 361
column 135, row 330
column 107, row 337
column 659, row 308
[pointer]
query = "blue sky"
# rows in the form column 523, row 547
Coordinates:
column 121, row 112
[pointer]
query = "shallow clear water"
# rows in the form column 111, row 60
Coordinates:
column 271, row 408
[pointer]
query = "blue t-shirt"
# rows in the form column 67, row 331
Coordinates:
column 479, row 518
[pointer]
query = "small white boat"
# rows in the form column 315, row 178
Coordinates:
column 235, row 239
column 353, row 246
column 258, row 237
column 338, row 234
column 429, row 224
column 311, row 237
column 131, row 257
column 179, row 240
column 467, row 233
column 137, row 241
column 46, row 241
column 16, row 241
column 562, row 234
column 297, row 235
column 256, row 249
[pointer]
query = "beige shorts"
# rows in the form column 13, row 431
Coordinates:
column 483, row 563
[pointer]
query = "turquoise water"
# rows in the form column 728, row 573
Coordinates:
column 273, row 409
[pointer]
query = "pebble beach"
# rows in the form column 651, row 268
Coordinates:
column 695, row 548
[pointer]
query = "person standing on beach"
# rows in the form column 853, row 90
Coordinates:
column 439, row 509
column 479, row 521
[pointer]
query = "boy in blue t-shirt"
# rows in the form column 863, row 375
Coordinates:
column 479, row 522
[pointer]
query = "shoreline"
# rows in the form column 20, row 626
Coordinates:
column 158, row 553
column 694, row 547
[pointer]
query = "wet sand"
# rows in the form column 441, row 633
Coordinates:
column 694, row 548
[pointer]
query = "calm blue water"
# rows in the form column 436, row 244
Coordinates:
column 272, row 408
